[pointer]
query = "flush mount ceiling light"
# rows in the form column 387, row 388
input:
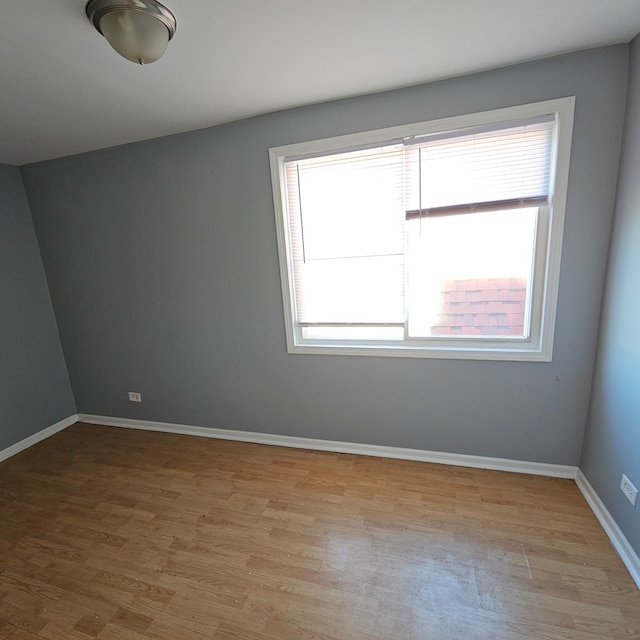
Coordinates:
column 139, row 30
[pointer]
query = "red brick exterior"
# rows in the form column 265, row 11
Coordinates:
column 489, row 307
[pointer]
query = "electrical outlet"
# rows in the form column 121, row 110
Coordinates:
column 629, row 490
column 134, row 396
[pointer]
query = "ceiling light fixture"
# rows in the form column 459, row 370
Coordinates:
column 139, row 30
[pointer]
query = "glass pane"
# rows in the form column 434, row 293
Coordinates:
column 352, row 204
column 498, row 165
column 346, row 220
column 470, row 275
column 354, row 290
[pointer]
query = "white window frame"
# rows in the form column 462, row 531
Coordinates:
column 539, row 345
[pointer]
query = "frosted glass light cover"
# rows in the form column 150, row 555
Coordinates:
column 135, row 35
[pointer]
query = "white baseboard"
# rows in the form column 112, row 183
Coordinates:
column 37, row 437
column 618, row 540
column 461, row 460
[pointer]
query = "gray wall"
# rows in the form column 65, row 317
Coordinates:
column 34, row 386
column 612, row 442
column 162, row 264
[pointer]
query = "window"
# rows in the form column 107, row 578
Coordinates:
column 439, row 239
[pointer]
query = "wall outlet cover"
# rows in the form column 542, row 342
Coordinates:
column 629, row 490
column 134, row 396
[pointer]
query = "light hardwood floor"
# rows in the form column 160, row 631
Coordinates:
column 118, row 534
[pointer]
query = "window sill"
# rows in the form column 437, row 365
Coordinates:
column 511, row 353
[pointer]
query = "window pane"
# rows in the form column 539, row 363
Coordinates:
column 351, row 204
column 346, row 219
column 485, row 166
column 470, row 275
column 351, row 290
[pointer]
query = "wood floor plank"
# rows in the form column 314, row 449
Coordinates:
column 112, row 534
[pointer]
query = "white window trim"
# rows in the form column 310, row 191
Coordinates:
column 539, row 347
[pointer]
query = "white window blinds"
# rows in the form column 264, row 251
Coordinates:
column 346, row 219
column 479, row 170
column 347, row 211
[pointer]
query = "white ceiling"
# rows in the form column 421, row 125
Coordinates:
column 63, row 90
